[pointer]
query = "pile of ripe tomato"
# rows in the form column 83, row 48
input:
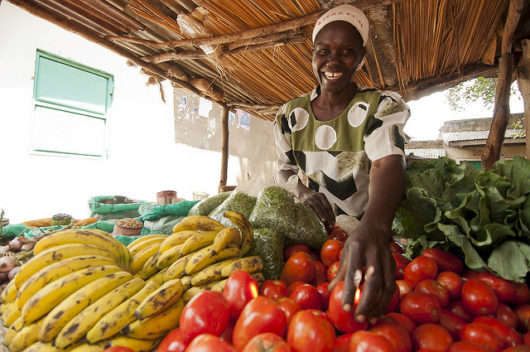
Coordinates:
column 439, row 306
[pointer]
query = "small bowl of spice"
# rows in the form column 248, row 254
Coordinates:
column 127, row 227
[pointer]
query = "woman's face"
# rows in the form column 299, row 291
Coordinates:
column 337, row 52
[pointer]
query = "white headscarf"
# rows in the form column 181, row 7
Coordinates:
column 346, row 13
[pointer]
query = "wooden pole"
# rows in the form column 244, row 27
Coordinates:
column 224, row 149
column 523, row 81
column 501, row 109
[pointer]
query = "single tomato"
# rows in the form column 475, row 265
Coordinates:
column 504, row 289
column 523, row 316
column 452, row 323
column 209, row 343
column 401, row 264
column 324, row 294
column 506, row 315
column 367, row 341
column 508, row 335
column 295, row 248
column 299, row 267
column 522, row 294
column 337, row 233
column 446, row 261
column 457, row 308
column 342, row 343
column 295, row 285
column 321, row 273
column 518, row 348
column 329, row 252
column 288, row 306
column 478, row 298
column 400, row 319
column 464, row 346
column 452, row 282
column 403, row 288
column 274, row 289
column 240, row 288
column 420, row 268
column 207, row 312
column 483, row 336
column 342, row 320
column 420, row 307
column 307, row 297
column 433, row 287
column 395, row 247
column 432, row 337
column 394, row 302
column 267, row 342
column 309, row 332
column 397, row 335
column 333, row 269
column 174, row 341
column 259, row 315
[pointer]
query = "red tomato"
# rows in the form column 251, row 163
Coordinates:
column 321, row 273
column 523, row 316
column 267, row 342
column 420, row 307
column 395, row 247
column 481, row 335
column 308, row 332
column 400, row 319
column 289, row 307
column 274, row 289
column 469, row 274
column 452, row 282
column 118, row 349
column 518, row 348
column 239, row 289
column 526, row 339
column 508, row 335
column 337, row 234
column 295, row 248
column 397, row 335
column 259, row 315
column 401, row 264
column 506, row 315
column 394, row 302
column 457, row 308
column 226, row 335
column 433, row 337
column 420, row 268
column 324, row 294
column 209, row 343
column 522, row 294
column 342, row 320
column 452, row 323
column 174, row 341
column 504, row 289
column 207, row 312
column 367, row 341
column 403, row 288
column 342, row 343
column 329, row 252
column 299, row 267
column 307, row 297
column 433, row 287
column 464, row 346
column 295, row 285
column 333, row 270
column 446, row 261
column 478, row 298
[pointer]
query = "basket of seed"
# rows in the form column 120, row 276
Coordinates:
column 127, row 227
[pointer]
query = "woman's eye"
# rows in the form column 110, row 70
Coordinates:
column 348, row 51
column 322, row 51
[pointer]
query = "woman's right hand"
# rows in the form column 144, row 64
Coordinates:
column 320, row 205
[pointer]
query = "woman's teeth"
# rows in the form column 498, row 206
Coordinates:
column 332, row 75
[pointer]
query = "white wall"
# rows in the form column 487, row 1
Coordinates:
column 143, row 157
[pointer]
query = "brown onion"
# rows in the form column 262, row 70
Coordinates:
column 15, row 244
column 27, row 246
column 11, row 274
column 7, row 262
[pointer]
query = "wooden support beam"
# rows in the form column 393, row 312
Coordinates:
column 501, row 109
column 523, row 81
column 224, row 149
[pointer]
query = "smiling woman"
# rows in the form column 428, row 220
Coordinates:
column 349, row 143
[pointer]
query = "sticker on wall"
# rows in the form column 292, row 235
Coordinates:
column 244, row 119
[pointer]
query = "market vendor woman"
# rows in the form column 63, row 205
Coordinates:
column 349, row 142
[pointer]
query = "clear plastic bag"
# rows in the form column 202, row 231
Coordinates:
column 237, row 201
column 206, row 206
column 275, row 209
column 269, row 244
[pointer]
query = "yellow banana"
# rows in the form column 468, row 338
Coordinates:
column 136, row 345
column 78, row 326
column 119, row 317
column 168, row 257
column 57, row 254
column 9, row 293
column 87, row 347
column 193, row 290
column 247, row 233
column 77, row 301
column 198, row 222
column 211, row 272
column 158, row 325
column 175, row 239
column 12, row 330
column 227, row 236
column 206, row 256
column 83, row 236
column 178, row 268
column 27, row 336
column 149, row 268
column 10, row 313
column 139, row 259
column 137, row 245
column 249, row 264
column 159, row 277
column 57, row 270
column 198, row 241
column 186, row 282
column 219, row 286
column 57, row 291
column 41, row 347
column 157, row 301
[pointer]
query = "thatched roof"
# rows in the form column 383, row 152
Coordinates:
column 259, row 52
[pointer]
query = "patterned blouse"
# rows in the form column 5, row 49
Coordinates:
column 336, row 155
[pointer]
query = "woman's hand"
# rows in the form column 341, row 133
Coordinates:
column 320, row 205
column 367, row 259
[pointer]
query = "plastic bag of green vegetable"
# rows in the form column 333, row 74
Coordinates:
column 308, row 228
column 237, row 201
column 275, row 209
column 206, row 206
column 268, row 244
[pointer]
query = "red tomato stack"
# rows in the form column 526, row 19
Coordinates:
column 439, row 306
